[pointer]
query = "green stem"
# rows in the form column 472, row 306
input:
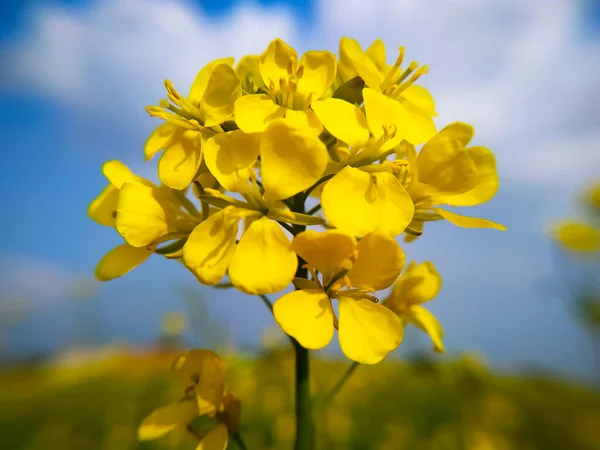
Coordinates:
column 304, row 423
column 340, row 384
column 314, row 209
column 237, row 438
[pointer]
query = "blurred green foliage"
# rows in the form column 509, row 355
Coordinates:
column 97, row 403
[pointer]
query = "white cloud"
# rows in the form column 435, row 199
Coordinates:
column 518, row 70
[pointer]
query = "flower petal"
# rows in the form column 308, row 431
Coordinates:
column 103, row 209
column 121, row 260
column 380, row 260
column 159, row 139
column 419, row 97
column 376, row 52
column 319, row 69
column 343, row 120
column 384, row 113
column 426, row 321
column 305, row 120
column 253, row 113
column 359, row 203
column 275, row 61
column 419, row 124
column 118, row 173
column 324, row 250
column 141, row 218
column 215, row 439
column 445, row 165
column 179, row 163
column 209, row 248
column 202, row 369
column 577, row 237
column 231, row 157
column 248, row 71
column 291, row 160
column 468, row 222
column 201, row 82
column 367, row 331
column 418, row 284
column 264, row 261
column 353, row 61
column 486, row 185
column 307, row 316
column 222, row 91
column 167, row 418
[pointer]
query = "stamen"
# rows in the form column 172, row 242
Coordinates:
column 290, row 66
column 172, row 93
column 300, row 71
column 388, row 78
column 423, row 70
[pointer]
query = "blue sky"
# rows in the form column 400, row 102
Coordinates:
column 77, row 75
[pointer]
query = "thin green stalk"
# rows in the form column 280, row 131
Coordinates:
column 340, row 384
column 237, row 438
column 314, row 209
column 304, row 423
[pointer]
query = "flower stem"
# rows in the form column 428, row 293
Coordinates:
column 340, row 384
column 237, row 438
column 304, row 423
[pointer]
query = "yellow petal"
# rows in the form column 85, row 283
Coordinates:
column 469, row 222
column 118, row 173
column 325, row 250
column 418, row 284
column 159, row 139
column 275, row 61
column 121, row 260
column 180, row 161
column 167, row 418
column 220, row 95
column 376, row 52
column 486, row 184
column 200, row 84
column 577, row 237
column 384, row 113
column 209, row 248
column 353, row 61
column 307, row 316
column 202, row 369
column 291, row 160
column 367, row 331
column 359, row 203
column 426, row 321
column 305, row 120
column 460, row 131
column 380, row 260
column 141, row 218
column 319, row 68
column 446, row 166
column 248, row 71
column 103, row 208
column 419, row 97
column 253, row 113
column 264, row 261
column 343, row 120
column 215, row 439
column 230, row 157
column 419, row 124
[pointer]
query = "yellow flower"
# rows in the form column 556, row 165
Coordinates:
column 192, row 120
column 592, row 196
column 263, row 260
column 417, row 285
column 201, row 371
column 291, row 88
column 577, row 237
column 367, row 331
column 447, row 172
column 415, row 103
column 103, row 210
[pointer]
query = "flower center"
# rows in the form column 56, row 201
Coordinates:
column 285, row 93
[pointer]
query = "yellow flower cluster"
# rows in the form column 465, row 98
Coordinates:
column 251, row 144
column 582, row 237
column 201, row 372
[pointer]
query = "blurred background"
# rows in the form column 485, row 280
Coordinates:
column 81, row 363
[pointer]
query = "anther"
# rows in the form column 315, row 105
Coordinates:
column 290, row 66
column 300, row 71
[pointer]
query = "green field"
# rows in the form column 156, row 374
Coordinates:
column 455, row 405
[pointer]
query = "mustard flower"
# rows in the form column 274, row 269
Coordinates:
column 201, row 371
column 576, row 236
column 349, row 272
column 291, row 86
